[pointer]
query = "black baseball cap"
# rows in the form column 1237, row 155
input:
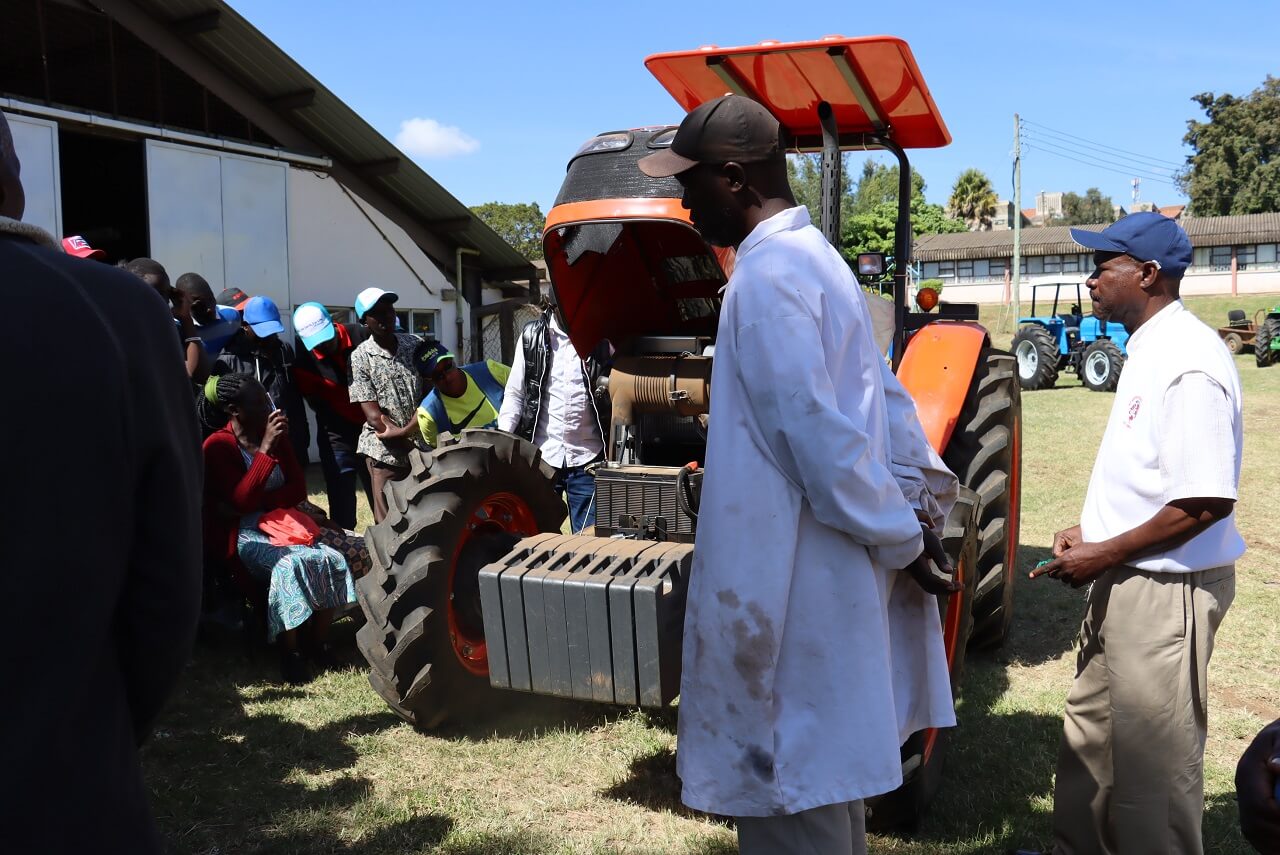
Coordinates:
column 730, row 128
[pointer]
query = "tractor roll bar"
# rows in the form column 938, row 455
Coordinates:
column 831, row 167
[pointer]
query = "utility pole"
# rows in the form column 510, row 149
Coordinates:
column 1017, row 219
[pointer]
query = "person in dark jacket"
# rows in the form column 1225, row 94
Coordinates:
column 322, row 374
column 551, row 401
column 258, row 351
column 106, row 573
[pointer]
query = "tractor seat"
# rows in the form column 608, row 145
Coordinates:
column 1237, row 319
column 1071, row 320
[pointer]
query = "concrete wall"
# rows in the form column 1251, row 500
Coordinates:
column 339, row 245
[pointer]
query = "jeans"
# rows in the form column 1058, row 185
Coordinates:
column 579, row 487
column 342, row 468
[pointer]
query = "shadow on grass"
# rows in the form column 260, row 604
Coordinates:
column 1046, row 616
column 999, row 763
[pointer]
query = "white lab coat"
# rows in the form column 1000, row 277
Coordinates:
column 808, row 657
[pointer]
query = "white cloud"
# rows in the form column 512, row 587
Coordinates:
column 429, row 138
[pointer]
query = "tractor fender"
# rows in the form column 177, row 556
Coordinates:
column 936, row 369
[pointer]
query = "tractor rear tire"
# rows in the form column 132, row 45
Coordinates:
column 923, row 754
column 1262, row 352
column 463, row 506
column 1037, row 357
column 985, row 453
column 1101, row 366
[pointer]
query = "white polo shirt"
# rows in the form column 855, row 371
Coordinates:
column 1175, row 433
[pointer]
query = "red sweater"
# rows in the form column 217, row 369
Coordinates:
column 232, row 491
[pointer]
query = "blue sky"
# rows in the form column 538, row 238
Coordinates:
column 494, row 97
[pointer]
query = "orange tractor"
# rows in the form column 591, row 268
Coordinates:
column 475, row 590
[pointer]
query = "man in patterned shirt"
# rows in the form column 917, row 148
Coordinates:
column 385, row 384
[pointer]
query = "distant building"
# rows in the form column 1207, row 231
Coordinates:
column 1048, row 206
column 1239, row 254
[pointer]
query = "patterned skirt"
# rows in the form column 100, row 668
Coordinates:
column 301, row 579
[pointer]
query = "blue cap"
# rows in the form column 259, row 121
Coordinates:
column 370, row 297
column 262, row 316
column 312, row 323
column 1146, row 236
column 428, row 354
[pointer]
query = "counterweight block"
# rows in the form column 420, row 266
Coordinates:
column 592, row 618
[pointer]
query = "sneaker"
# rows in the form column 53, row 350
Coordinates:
column 294, row 668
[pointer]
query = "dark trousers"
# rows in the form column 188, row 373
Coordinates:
column 381, row 474
column 342, row 467
column 579, row 489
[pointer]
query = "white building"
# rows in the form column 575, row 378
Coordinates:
column 1232, row 255
column 174, row 129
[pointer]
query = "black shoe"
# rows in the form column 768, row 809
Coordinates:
column 294, row 668
column 323, row 658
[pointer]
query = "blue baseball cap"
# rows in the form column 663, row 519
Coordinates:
column 1146, row 236
column 262, row 316
column 428, row 354
column 370, row 297
column 313, row 324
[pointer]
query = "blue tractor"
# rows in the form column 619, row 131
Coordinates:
column 1048, row 344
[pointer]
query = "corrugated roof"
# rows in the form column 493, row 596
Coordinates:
column 242, row 52
column 1056, row 240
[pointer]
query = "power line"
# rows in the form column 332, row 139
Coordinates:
column 1114, row 160
column 1107, row 151
column 1099, row 160
column 1102, row 145
column 1128, row 172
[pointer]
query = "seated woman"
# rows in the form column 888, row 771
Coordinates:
column 250, row 469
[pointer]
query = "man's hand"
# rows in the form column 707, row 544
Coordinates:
column 277, row 427
column 392, row 431
column 181, row 302
column 923, row 574
column 1256, row 777
column 1077, row 564
column 1065, row 539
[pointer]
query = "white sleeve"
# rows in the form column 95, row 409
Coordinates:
column 824, row 451
column 513, row 394
column 923, row 478
column 1196, row 440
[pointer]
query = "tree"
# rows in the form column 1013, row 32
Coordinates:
column 973, row 200
column 873, row 230
column 1085, row 210
column 1236, row 165
column 805, row 173
column 878, row 184
column 519, row 225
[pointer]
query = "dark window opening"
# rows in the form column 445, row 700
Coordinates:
column 104, row 196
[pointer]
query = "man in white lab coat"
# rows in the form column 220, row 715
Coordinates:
column 813, row 646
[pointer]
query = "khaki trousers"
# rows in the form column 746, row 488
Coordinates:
column 379, row 475
column 838, row 829
column 1130, row 766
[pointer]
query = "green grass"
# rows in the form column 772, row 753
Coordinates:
column 240, row 764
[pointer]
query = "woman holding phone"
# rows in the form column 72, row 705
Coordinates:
column 252, row 471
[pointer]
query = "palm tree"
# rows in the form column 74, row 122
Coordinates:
column 973, row 200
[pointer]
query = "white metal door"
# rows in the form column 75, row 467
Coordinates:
column 224, row 216
column 184, row 209
column 36, row 142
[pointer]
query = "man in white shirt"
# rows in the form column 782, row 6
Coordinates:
column 809, row 655
column 549, row 401
column 1157, row 541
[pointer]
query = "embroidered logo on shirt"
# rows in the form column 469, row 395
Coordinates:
column 1134, row 406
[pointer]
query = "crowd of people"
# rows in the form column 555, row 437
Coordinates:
column 792, row 709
